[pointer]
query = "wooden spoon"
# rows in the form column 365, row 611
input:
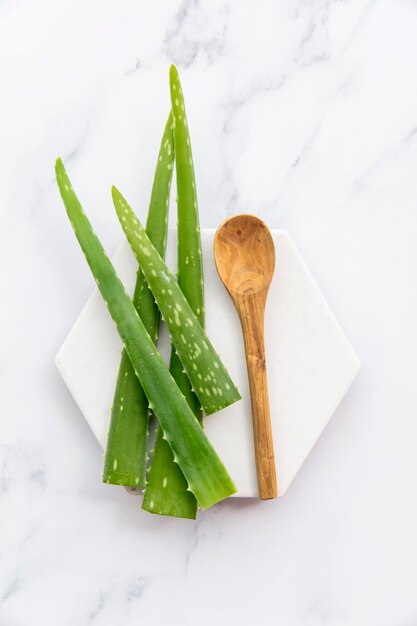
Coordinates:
column 244, row 253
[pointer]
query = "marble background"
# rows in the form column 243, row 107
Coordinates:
column 304, row 111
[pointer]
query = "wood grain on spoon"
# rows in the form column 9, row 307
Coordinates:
column 244, row 253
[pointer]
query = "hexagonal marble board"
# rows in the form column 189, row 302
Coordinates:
column 310, row 362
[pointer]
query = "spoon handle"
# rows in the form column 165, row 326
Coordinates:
column 251, row 311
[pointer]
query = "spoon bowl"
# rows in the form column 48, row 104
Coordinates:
column 244, row 253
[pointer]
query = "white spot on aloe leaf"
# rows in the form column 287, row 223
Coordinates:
column 145, row 250
column 165, row 482
column 115, row 464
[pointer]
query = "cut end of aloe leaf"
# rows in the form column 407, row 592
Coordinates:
column 160, row 507
column 122, row 480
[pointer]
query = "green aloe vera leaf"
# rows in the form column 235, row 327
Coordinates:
column 208, row 376
column 166, row 486
column 166, row 490
column 190, row 265
column 127, row 444
column 206, row 475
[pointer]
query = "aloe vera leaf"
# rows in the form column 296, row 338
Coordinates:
column 127, row 444
column 208, row 376
column 166, row 487
column 206, row 475
column 166, row 490
column 190, row 265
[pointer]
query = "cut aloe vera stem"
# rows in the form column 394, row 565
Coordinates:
column 166, row 486
column 127, row 444
column 206, row 475
column 209, row 377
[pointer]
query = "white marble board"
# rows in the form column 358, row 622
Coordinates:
column 310, row 362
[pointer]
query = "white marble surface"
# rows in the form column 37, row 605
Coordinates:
column 305, row 111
